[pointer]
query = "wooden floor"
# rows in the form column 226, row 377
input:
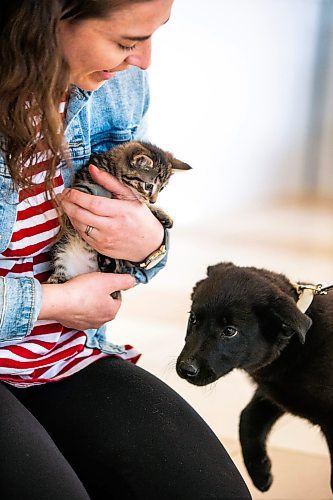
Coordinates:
column 301, row 476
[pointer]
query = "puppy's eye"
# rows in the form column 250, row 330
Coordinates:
column 229, row 331
column 192, row 319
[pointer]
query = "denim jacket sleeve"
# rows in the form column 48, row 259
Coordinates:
column 20, row 298
column 145, row 275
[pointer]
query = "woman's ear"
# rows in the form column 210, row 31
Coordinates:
column 292, row 319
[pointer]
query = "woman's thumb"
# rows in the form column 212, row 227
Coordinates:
column 110, row 183
column 115, row 282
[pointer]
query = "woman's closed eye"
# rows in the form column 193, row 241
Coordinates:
column 126, row 48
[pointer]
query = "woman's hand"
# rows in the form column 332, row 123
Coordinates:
column 123, row 227
column 84, row 302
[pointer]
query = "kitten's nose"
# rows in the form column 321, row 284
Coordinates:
column 189, row 368
column 153, row 198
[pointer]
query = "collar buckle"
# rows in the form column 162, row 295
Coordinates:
column 306, row 293
column 316, row 289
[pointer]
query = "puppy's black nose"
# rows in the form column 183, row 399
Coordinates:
column 188, row 368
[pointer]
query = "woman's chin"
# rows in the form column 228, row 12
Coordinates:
column 92, row 81
column 88, row 87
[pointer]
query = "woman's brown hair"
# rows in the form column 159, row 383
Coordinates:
column 34, row 76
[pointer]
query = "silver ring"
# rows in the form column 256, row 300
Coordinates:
column 88, row 230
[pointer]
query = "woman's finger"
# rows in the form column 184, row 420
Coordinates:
column 91, row 234
column 80, row 215
column 97, row 205
column 110, row 183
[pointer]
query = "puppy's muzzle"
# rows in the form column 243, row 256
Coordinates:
column 188, row 369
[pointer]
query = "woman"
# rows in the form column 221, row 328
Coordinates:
column 77, row 420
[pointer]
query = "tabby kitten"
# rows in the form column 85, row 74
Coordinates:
column 143, row 167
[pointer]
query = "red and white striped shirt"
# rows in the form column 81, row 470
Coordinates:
column 51, row 351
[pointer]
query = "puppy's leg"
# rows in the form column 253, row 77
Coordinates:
column 328, row 433
column 256, row 421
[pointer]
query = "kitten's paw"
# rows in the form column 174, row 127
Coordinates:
column 107, row 264
column 55, row 279
column 167, row 223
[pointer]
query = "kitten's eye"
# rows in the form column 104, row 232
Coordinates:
column 149, row 187
column 229, row 331
column 193, row 319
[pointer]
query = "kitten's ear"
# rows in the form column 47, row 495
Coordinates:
column 141, row 161
column 179, row 165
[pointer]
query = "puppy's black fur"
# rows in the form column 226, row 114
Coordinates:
column 243, row 317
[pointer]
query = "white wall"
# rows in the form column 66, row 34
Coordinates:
column 231, row 82
column 326, row 156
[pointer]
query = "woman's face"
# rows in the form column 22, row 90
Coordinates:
column 96, row 49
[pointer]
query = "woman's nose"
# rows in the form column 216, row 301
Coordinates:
column 142, row 55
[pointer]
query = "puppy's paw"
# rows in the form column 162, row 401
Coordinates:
column 260, row 473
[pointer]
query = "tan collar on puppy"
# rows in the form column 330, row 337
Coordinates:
column 306, row 292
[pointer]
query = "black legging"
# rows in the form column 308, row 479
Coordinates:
column 111, row 431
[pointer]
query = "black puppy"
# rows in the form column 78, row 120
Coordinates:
column 243, row 317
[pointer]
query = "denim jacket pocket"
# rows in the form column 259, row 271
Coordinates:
column 106, row 140
column 77, row 144
column 79, row 151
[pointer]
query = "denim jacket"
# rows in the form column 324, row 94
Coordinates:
column 95, row 122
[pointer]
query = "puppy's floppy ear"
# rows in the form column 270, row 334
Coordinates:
column 219, row 267
column 196, row 287
column 292, row 319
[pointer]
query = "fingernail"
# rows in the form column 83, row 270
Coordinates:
column 64, row 193
column 93, row 166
